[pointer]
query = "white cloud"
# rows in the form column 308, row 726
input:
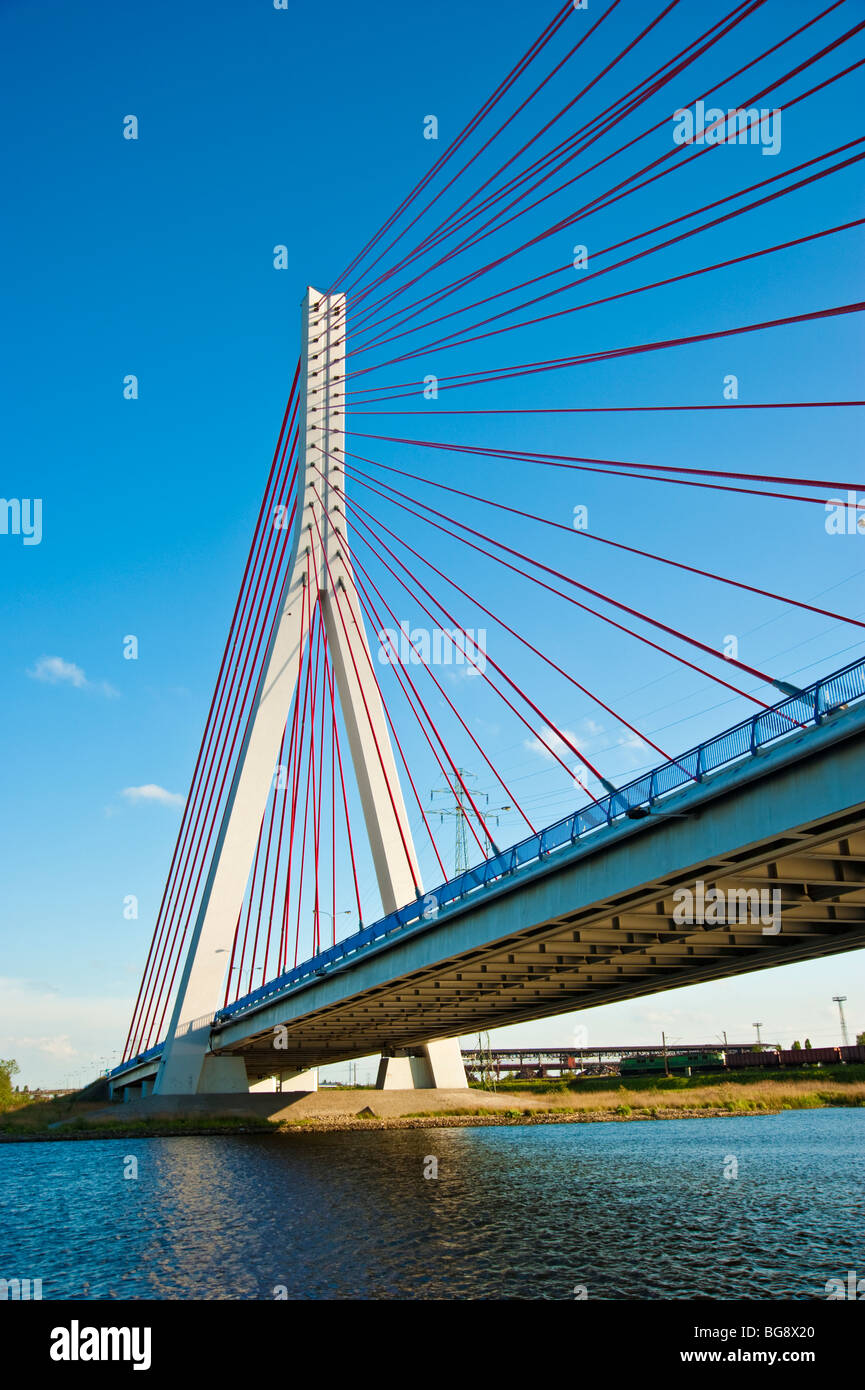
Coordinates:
column 549, row 744
column 51, row 1046
column 150, row 792
column 60, row 1039
column 53, row 670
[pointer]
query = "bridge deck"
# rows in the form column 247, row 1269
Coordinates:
column 595, row 922
column 592, row 922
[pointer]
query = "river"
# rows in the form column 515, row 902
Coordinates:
column 764, row 1207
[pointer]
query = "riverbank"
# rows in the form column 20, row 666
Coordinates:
column 605, row 1100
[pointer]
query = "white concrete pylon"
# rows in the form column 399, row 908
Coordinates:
column 320, row 551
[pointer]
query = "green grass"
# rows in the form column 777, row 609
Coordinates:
column 838, row 1075
column 108, row 1128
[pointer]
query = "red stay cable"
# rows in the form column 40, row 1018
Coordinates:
column 363, row 599
column 605, row 122
column 557, row 364
column 251, row 560
column 607, row 250
column 506, row 83
column 615, row 112
column 558, row 732
column 358, row 566
column 335, row 591
column 345, row 801
column 585, row 588
column 444, row 344
column 554, row 665
column 605, row 540
column 622, row 190
column 524, row 574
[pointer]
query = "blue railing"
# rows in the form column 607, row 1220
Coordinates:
column 789, row 716
column 137, row 1061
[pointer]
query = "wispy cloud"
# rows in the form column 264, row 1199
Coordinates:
column 151, row 792
column 53, row 670
column 51, row 1046
column 549, row 744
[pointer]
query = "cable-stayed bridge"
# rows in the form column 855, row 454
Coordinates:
column 348, row 682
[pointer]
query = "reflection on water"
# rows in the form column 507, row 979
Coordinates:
column 637, row 1210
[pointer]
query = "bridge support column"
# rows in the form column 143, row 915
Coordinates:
column 435, row 1066
column 288, row 1081
column 222, row 1075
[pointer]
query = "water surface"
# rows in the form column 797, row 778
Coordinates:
column 634, row 1210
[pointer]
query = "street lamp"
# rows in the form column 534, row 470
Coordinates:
column 323, row 912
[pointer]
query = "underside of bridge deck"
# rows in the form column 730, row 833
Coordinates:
column 613, row 946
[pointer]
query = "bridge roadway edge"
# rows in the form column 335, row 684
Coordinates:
column 813, row 776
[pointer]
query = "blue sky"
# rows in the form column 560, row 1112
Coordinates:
column 304, row 127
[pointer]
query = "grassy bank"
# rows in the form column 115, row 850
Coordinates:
column 602, row 1099
column 816, row 1076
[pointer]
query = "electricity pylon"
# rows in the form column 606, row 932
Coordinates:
column 458, row 793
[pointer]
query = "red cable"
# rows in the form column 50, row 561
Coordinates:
column 432, row 725
column 188, row 866
column 605, row 540
column 613, row 114
column 335, row 591
column 399, row 677
column 635, row 612
column 188, row 856
column 623, row 409
column 606, row 250
column 566, row 579
column 221, row 789
column 513, row 685
column 556, row 364
column 310, row 785
column 532, row 730
column 584, row 689
column 503, row 86
column 345, row 804
column 228, row 646
column 305, row 640
column 554, row 459
column 386, row 276
column 357, row 564
column 620, row 190
column 442, row 344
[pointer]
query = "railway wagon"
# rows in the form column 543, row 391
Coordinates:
column 737, row 1061
column 806, row 1056
column 790, row 1057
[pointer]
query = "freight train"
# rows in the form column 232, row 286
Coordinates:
column 796, row 1057
column 679, row 1063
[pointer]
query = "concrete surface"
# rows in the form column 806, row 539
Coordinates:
column 326, row 1104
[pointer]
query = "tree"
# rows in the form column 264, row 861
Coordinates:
column 808, row 1042
column 860, row 1039
column 7, row 1070
column 797, row 1046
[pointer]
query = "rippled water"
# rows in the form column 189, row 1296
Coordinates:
column 636, row 1210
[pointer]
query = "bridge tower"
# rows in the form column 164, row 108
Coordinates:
column 320, row 550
